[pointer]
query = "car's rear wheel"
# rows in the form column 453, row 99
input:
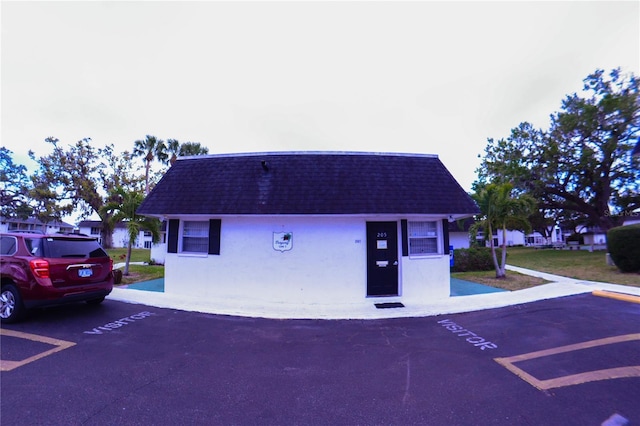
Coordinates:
column 96, row 301
column 11, row 307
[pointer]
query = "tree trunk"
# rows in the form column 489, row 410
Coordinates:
column 503, row 270
column 146, row 178
column 106, row 235
column 126, row 264
column 106, row 232
column 493, row 253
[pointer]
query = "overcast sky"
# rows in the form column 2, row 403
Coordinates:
column 422, row 77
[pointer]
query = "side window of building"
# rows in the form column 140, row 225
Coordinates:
column 8, row 246
column 194, row 237
column 423, row 238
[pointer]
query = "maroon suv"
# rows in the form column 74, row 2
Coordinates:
column 40, row 270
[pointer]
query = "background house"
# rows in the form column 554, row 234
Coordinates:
column 34, row 225
column 308, row 227
column 459, row 236
column 120, row 234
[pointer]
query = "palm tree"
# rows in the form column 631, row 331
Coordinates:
column 150, row 148
column 193, row 148
column 500, row 211
column 173, row 150
column 123, row 209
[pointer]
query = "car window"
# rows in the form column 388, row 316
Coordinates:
column 8, row 245
column 69, row 248
column 34, row 245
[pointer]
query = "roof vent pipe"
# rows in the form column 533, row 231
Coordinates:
column 265, row 166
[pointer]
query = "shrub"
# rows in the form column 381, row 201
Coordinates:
column 474, row 259
column 623, row 244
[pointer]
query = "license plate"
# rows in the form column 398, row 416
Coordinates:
column 84, row 273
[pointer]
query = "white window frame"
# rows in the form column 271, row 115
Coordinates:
column 416, row 230
column 202, row 233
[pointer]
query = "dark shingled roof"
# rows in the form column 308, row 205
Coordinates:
column 308, row 183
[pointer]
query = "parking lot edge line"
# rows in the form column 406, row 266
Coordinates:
column 35, row 337
column 8, row 365
column 618, row 296
column 536, row 383
column 590, row 376
column 574, row 347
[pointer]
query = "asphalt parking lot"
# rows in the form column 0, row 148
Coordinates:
column 572, row 360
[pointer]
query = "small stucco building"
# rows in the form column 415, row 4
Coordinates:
column 309, row 227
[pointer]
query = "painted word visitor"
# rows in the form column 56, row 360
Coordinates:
column 121, row 322
column 471, row 337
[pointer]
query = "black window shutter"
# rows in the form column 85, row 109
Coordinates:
column 214, row 236
column 405, row 238
column 172, row 244
column 445, row 235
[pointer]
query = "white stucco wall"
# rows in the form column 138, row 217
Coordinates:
column 425, row 279
column 158, row 253
column 327, row 263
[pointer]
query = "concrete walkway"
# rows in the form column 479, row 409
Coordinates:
column 559, row 287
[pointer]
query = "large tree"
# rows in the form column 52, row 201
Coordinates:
column 150, row 148
column 582, row 165
column 500, row 210
column 80, row 178
column 122, row 208
column 14, row 187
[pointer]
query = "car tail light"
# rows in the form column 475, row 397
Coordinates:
column 40, row 268
column 111, row 264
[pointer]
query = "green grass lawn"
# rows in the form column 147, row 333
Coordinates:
column 579, row 264
column 137, row 255
column 137, row 273
column 513, row 281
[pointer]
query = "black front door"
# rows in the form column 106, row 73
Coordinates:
column 382, row 258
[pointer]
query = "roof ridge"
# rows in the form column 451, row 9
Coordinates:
column 265, row 153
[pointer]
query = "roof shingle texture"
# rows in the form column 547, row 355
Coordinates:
column 308, row 183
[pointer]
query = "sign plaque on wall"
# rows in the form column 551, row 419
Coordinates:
column 282, row 241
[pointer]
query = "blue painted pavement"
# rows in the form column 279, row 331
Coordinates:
column 458, row 287
column 467, row 288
